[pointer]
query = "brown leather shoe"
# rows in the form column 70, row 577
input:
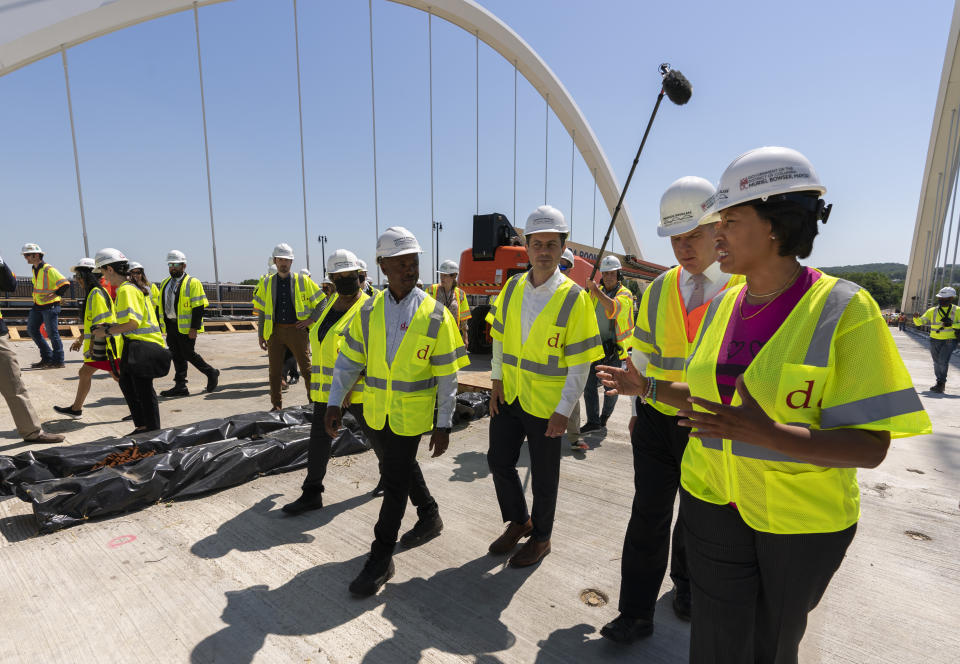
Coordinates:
column 530, row 553
column 44, row 437
column 513, row 534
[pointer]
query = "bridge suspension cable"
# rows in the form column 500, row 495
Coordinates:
column 76, row 157
column 373, row 115
column 303, row 170
column 433, row 218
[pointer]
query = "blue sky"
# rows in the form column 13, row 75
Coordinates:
column 851, row 87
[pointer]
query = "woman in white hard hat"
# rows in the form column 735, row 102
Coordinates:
column 101, row 354
column 451, row 296
column 794, row 381
column 142, row 342
column 150, row 290
column 943, row 323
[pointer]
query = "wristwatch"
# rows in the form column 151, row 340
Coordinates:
column 445, row 430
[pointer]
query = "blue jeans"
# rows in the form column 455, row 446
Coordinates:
column 590, row 398
column 49, row 318
column 940, row 350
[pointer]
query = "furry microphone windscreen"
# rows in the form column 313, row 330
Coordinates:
column 677, row 87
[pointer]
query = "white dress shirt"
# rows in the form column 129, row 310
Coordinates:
column 535, row 298
column 169, row 297
column 397, row 316
column 714, row 283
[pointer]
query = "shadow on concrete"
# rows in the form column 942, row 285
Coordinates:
column 18, row 528
column 100, row 375
column 261, row 527
column 249, row 367
column 473, row 465
column 456, row 611
column 106, row 401
column 237, row 394
column 242, row 386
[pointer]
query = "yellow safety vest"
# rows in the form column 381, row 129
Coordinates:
column 665, row 330
column 324, row 353
column 622, row 317
column 563, row 335
column 97, row 310
column 132, row 305
column 154, row 298
column 306, row 295
column 938, row 330
column 463, row 308
column 191, row 295
column 832, row 364
column 406, row 391
column 46, row 281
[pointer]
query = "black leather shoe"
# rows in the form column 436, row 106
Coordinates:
column 377, row 571
column 68, row 410
column 309, row 500
column 42, row 364
column 590, row 426
column 423, row 530
column 681, row 604
column 212, row 379
column 176, row 391
column 624, row 629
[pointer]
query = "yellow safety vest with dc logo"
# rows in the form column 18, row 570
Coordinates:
column 622, row 317
column 665, row 330
column 564, row 334
column 463, row 308
column 406, row 391
column 306, row 296
column 191, row 295
column 132, row 305
column 46, row 281
column 98, row 310
column 934, row 316
column 832, row 364
column 324, row 353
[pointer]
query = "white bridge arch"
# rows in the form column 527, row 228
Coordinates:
column 102, row 19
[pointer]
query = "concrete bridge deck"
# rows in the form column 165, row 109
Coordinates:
column 228, row 578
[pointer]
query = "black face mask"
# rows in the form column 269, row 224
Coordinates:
column 346, row 286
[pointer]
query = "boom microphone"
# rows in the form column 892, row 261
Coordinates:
column 677, row 87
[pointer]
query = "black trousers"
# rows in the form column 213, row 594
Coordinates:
column 508, row 428
column 318, row 454
column 183, row 349
column 658, row 444
column 140, row 397
column 752, row 591
column 402, row 479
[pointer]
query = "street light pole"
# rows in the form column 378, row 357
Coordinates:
column 437, row 227
column 323, row 253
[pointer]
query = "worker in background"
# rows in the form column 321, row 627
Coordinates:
column 139, row 277
column 97, row 308
column 367, row 285
column 138, row 324
column 283, row 308
column 667, row 321
column 943, row 322
column 333, row 316
column 11, row 385
column 409, row 347
column 182, row 300
column 544, row 339
column 327, row 287
column 793, row 383
column 49, row 287
column 613, row 306
column 573, row 422
column 309, row 276
column 448, row 293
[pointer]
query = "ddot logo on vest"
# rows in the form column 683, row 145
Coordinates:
column 800, row 398
column 423, row 353
column 554, row 341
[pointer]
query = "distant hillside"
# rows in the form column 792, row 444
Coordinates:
column 892, row 270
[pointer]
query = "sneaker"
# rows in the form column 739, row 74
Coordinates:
column 212, row 379
column 68, row 410
column 376, row 571
column 55, row 365
column 309, row 500
column 591, row 426
column 938, row 388
column 176, row 391
column 624, row 629
column 42, row 364
column 424, row 530
column 44, row 437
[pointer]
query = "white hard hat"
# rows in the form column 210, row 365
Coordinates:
column 283, row 250
column 272, row 269
column 327, row 280
column 134, row 265
column 84, row 262
column 449, row 267
column 174, row 256
column 31, row 248
column 683, row 204
column 342, row 260
column 546, row 219
column 610, row 264
column 947, row 291
column 759, row 174
column 108, row 256
column 305, row 272
column 363, row 264
column 397, row 241
column 567, row 255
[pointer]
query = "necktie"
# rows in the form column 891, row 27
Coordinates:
column 696, row 298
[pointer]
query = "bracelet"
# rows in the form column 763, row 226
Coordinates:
column 651, row 392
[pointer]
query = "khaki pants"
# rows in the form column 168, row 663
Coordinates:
column 24, row 416
column 298, row 341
